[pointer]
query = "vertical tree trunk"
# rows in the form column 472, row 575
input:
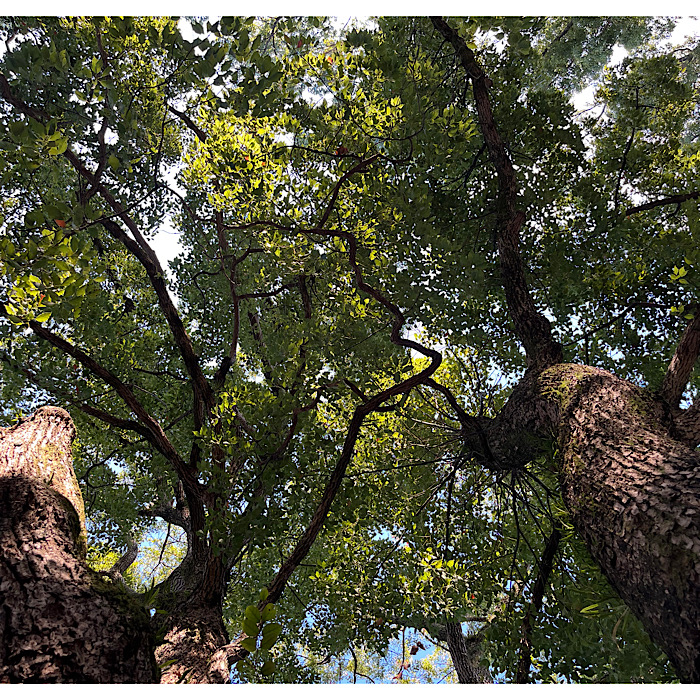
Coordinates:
column 465, row 652
column 59, row 621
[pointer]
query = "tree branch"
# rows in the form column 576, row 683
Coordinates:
column 117, row 571
column 545, row 569
column 170, row 515
column 463, row 651
column 139, row 247
column 123, row 423
column 154, row 432
column 681, row 366
column 201, row 134
column 675, row 199
column 531, row 327
column 616, row 199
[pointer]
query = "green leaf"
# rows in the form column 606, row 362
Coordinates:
column 249, row 644
column 268, row 668
column 114, row 162
column 269, row 612
column 250, row 627
column 252, row 613
column 270, row 633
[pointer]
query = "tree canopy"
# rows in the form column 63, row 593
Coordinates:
column 288, row 416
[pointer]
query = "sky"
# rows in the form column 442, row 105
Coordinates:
column 358, row 7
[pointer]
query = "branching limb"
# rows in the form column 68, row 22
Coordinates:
column 140, row 248
column 235, row 651
column 531, row 327
column 123, row 423
column 360, row 167
column 155, row 433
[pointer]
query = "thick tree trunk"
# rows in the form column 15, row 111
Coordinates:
column 59, row 621
column 634, row 496
column 190, row 652
column 633, row 491
column 190, row 623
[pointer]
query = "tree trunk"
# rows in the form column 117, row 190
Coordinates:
column 59, row 620
column 633, row 491
column 190, row 652
column 465, row 652
column 192, row 621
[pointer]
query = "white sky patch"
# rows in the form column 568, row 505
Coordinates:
column 687, row 26
column 166, row 244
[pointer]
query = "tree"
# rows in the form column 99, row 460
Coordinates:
column 61, row 622
column 423, row 358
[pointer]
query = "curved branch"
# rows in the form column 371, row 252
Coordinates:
column 531, row 327
column 234, row 651
column 171, row 515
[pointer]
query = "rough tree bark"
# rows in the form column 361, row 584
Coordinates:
column 631, row 487
column 465, row 652
column 59, row 620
